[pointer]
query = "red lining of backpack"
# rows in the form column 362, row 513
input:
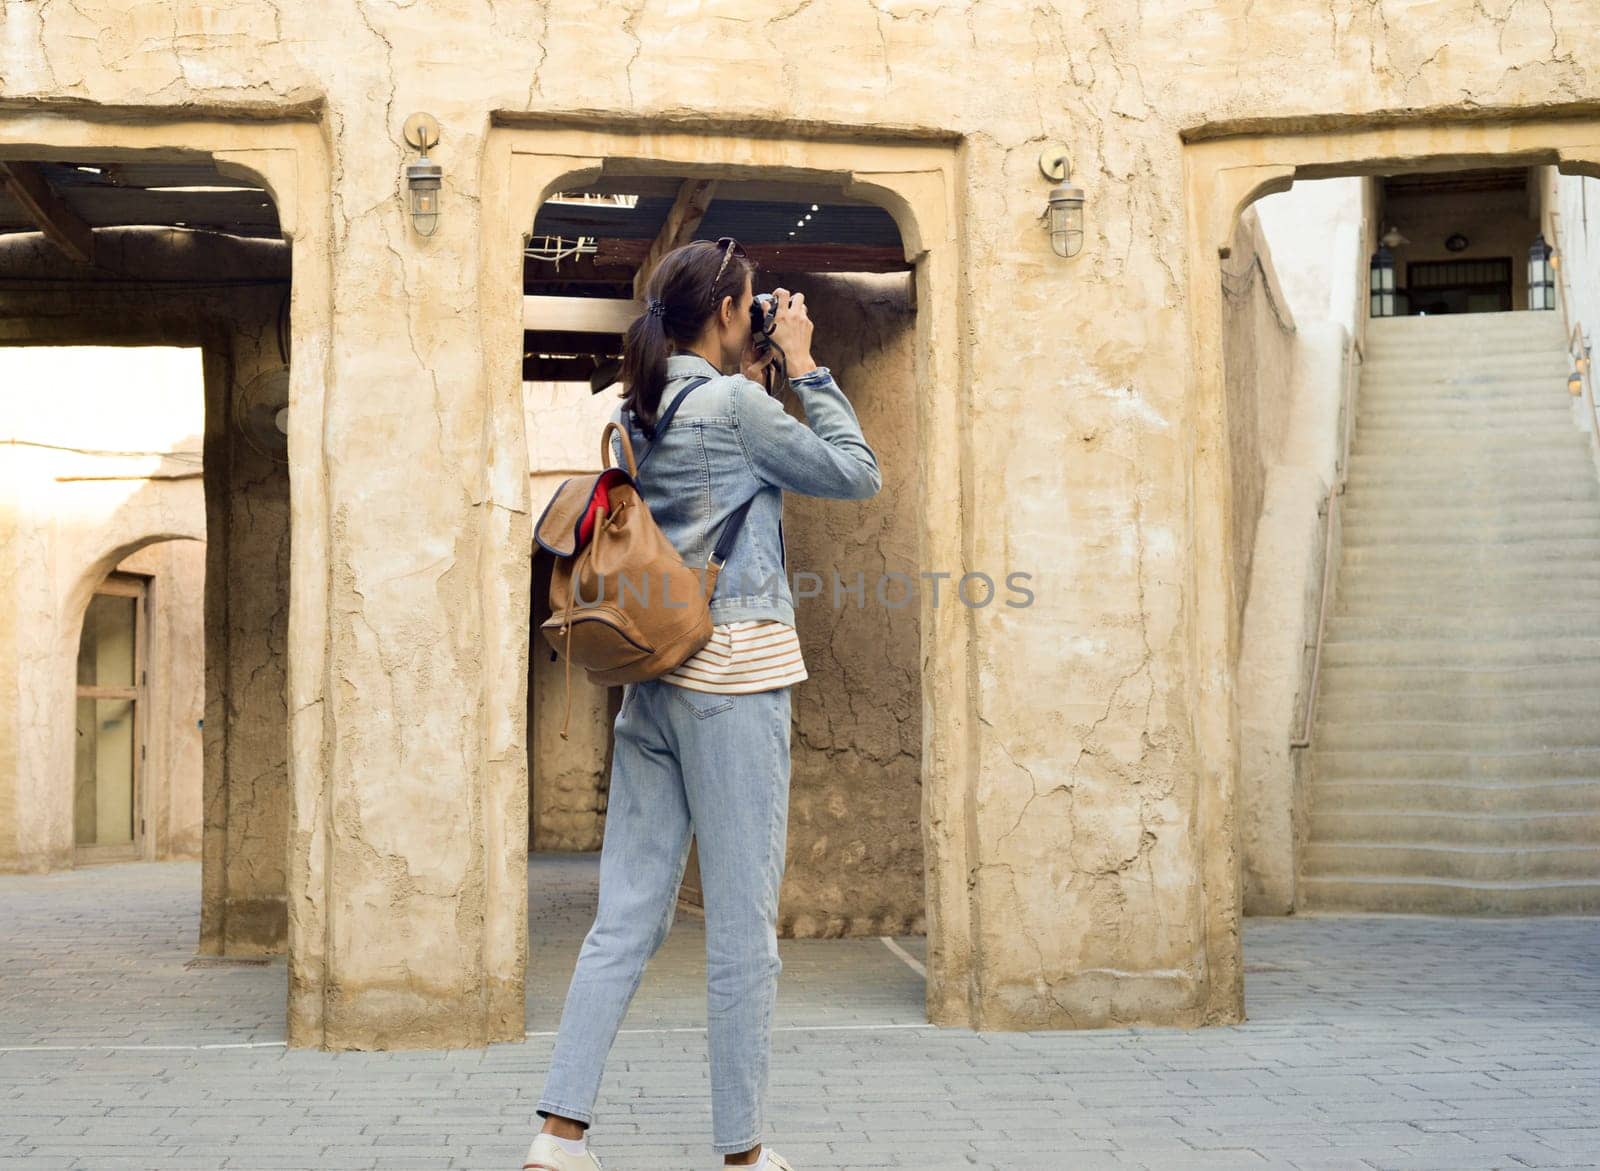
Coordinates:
column 599, row 502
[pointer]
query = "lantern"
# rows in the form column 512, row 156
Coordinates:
column 1380, row 282
column 1065, row 209
column 1541, row 275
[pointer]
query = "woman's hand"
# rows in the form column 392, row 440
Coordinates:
column 755, row 369
column 792, row 331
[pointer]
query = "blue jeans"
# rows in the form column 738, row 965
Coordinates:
column 718, row 764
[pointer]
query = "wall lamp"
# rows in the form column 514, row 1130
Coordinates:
column 1541, row 275
column 424, row 177
column 1065, row 211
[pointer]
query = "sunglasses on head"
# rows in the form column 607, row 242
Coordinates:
column 730, row 247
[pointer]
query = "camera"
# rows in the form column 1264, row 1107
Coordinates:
column 763, row 315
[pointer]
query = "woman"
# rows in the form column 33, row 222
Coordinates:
column 705, row 748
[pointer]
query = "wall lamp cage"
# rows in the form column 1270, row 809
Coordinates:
column 424, row 177
column 1541, row 275
column 1065, row 210
column 1380, row 283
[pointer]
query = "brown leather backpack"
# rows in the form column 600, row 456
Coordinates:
column 624, row 605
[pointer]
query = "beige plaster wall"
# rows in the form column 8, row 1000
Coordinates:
column 1319, row 233
column 855, row 860
column 99, row 470
column 247, row 808
column 1259, row 347
column 1312, row 230
column 1081, row 762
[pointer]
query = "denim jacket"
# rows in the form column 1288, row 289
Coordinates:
column 729, row 441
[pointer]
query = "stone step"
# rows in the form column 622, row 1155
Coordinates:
column 1452, row 795
column 1439, row 828
column 1543, row 324
column 1472, row 583
column 1529, row 764
column 1510, row 396
column 1432, row 483
column 1539, row 405
column 1430, row 896
column 1517, row 372
column 1373, row 705
column 1462, row 573
column 1375, row 592
column 1574, row 520
column 1430, row 625
column 1451, row 533
column 1474, row 376
column 1470, row 862
column 1554, row 429
column 1557, row 731
column 1467, row 601
column 1458, row 353
column 1573, row 498
column 1425, row 470
column 1468, row 459
column 1364, row 679
column 1491, row 652
column 1483, row 445
column 1435, row 512
column 1581, row 554
column 1455, row 423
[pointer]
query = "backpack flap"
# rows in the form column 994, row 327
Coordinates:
column 568, row 520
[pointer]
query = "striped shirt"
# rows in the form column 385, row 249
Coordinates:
column 757, row 654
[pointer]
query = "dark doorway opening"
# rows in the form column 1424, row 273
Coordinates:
column 1459, row 286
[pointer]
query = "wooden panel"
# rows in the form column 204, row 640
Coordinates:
column 559, row 341
column 780, row 257
column 557, row 369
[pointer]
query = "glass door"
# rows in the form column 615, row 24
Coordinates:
column 107, row 819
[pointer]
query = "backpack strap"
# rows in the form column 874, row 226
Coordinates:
column 730, row 531
column 654, row 433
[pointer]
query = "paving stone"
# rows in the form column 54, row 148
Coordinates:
column 1372, row 1042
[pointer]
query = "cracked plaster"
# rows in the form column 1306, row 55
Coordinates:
column 1050, row 467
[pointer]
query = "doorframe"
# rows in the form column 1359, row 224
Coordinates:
column 918, row 179
column 1226, row 167
column 136, row 586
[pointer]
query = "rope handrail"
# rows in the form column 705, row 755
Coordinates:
column 1335, row 491
column 1579, row 352
column 1575, row 335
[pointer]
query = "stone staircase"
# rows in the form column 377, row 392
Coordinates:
column 1455, row 754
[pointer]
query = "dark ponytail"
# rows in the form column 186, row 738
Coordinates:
column 682, row 282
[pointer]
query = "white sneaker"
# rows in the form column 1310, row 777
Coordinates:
column 775, row 1162
column 546, row 1155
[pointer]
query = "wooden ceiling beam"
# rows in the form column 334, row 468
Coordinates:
column 688, row 209
column 570, row 341
column 581, row 314
column 558, row 369
column 782, row 257
column 26, row 184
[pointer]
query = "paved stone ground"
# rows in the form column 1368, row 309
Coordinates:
column 1373, row 1042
